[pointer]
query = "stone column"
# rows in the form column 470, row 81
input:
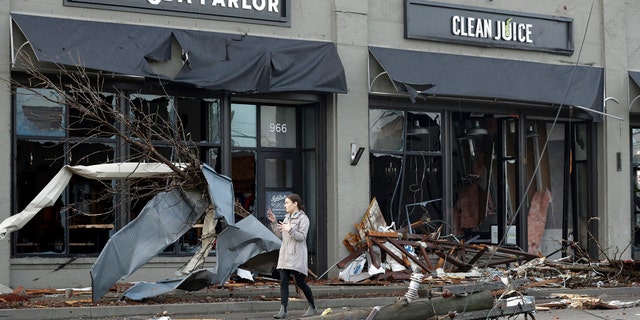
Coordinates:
column 614, row 192
column 347, row 121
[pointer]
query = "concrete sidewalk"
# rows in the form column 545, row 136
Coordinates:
column 354, row 297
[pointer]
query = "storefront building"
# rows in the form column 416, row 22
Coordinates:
column 504, row 123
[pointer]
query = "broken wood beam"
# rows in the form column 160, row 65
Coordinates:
column 425, row 255
column 382, row 234
column 352, row 256
column 462, row 266
column 477, row 256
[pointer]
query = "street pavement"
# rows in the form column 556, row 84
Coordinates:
column 338, row 298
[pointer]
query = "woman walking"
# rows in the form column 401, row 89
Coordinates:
column 292, row 259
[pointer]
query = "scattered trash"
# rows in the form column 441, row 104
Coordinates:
column 326, row 312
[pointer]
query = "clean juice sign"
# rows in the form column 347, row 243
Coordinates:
column 426, row 20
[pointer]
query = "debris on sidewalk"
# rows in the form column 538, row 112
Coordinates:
column 445, row 264
column 390, row 254
column 434, row 266
column 581, row 301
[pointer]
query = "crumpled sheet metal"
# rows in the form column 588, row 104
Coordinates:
column 248, row 241
column 237, row 244
column 220, row 193
column 162, row 221
column 196, row 280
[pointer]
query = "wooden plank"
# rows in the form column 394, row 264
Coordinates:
column 479, row 254
column 382, row 234
column 426, row 258
column 352, row 256
column 452, row 260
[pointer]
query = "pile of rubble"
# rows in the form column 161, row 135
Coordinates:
column 377, row 252
column 490, row 281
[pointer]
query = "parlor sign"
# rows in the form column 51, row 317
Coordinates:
column 427, row 20
column 257, row 11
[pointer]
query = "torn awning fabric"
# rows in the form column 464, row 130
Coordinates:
column 453, row 75
column 217, row 61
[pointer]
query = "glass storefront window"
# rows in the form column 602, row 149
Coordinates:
column 38, row 113
column 90, row 215
column 84, row 126
column 89, row 211
column 635, row 189
column 423, row 132
column 386, row 130
column 422, row 194
column 278, row 173
column 243, row 125
column 635, row 147
column 244, row 178
column 581, row 143
column 154, row 109
column 278, row 127
column 476, row 165
column 213, row 106
column 200, row 119
column 37, row 162
column 406, row 182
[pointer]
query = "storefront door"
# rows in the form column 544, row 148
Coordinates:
column 278, row 172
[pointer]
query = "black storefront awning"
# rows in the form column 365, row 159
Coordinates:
column 215, row 61
column 490, row 78
column 635, row 76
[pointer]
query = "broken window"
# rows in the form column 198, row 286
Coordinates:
column 484, row 149
column 50, row 135
column 406, row 167
column 37, row 162
column 82, row 218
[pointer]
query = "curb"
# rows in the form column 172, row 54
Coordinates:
column 185, row 309
column 387, row 294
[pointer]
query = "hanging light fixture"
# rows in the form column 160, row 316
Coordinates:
column 418, row 129
column 477, row 130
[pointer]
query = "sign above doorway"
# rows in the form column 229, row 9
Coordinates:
column 427, row 20
column 271, row 12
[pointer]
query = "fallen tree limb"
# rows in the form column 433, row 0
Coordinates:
column 418, row 309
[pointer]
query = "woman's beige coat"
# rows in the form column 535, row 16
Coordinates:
column 293, row 252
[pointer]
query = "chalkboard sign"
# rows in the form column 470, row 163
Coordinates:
column 275, row 201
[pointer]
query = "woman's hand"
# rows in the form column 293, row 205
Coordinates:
column 284, row 226
column 271, row 216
